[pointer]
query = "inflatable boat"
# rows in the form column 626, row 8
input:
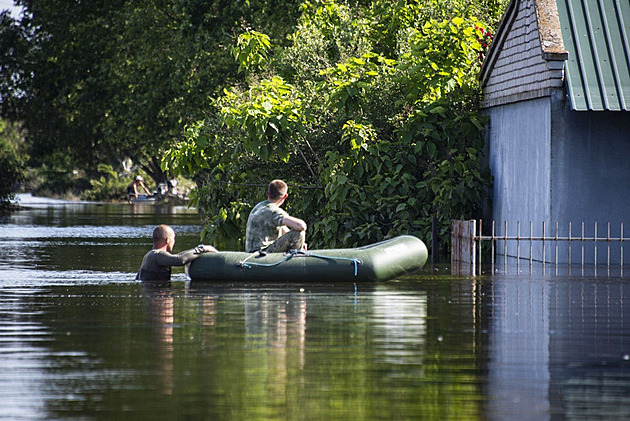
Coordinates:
column 376, row 262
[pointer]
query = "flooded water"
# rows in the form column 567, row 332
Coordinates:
column 81, row 339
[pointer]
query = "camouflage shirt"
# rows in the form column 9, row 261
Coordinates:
column 263, row 225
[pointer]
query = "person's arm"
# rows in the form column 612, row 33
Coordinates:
column 145, row 188
column 167, row 259
column 294, row 223
column 187, row 256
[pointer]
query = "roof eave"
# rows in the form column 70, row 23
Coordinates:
column 555, row 56
column 499, row 38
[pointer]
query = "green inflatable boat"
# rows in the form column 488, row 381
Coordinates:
column 376, row 262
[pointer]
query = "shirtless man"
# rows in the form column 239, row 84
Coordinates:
column 132, row 189
column 156, row 265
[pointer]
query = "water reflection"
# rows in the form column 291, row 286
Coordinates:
column 590, row 377
column 22, row 348
column 277, row 325
column 79, row 338
column 558, row 344
column 518, row 371
column 162, row 305
column 399, row 325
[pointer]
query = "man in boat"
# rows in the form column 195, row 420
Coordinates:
column 270, row 228
column 156, row 265
column 132, row 189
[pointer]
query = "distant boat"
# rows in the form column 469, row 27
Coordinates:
column 144, row 199
column 161, row 199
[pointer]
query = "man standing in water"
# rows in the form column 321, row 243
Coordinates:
column 132, row 189
column 270, row 228
column 156, row 265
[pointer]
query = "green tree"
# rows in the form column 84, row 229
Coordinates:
column 13, row 48
column 101, row 81
column 109, row 186
column 372, row 106
column 12, row 163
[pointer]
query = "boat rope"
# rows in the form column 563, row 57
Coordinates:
column 249, row 265
column 292, row 253
column 355, row 261
column 259, row 253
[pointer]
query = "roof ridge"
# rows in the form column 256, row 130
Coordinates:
column 549, row 30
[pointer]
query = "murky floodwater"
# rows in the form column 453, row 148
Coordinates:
column 80, row 339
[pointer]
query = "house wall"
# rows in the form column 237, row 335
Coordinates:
column 590, row 174
column 554, row 165
column 519, row 149
column 550, row 164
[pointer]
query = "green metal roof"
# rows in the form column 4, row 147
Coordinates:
column 596, row 33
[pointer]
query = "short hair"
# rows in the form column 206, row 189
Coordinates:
column 277, row 189
column 162, row 232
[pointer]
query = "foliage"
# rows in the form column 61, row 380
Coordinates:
column 56, row 178
column 372, row 107
column 366, row 108
column 268, row 116
column 12, row 163
column 252, row 51
column 109, row 186
column 13, row 47
column 107, row 80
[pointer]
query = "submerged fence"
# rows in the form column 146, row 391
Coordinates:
column 540, row 245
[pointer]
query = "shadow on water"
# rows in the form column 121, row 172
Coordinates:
column 79, row 338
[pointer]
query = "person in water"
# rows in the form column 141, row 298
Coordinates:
column 132, row 189
column 156, row 265
column 270, row 228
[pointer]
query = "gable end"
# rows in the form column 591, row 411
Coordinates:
column 526, row 60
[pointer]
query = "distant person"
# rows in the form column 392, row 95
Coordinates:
column 132, row 189
column 156, row 265
column 172, row 187
column 272, row 229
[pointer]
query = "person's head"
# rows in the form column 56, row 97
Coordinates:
column 163, row 235
column 139, row 178
column 277, row 190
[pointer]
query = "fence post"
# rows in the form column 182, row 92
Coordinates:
column 463, row 246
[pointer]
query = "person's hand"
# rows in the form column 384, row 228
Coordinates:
column 210, row 249
column 304, row 247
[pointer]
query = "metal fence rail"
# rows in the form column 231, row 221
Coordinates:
column 542, row 246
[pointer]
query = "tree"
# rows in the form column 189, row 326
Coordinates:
column 13, row 47
column 100, row 81
column 373, row 107
column 12, row 163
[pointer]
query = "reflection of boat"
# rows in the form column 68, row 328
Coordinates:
column 376, row 262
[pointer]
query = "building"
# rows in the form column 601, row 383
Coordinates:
column 556, row 88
